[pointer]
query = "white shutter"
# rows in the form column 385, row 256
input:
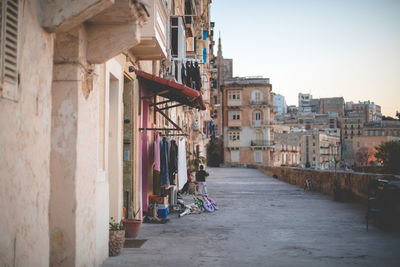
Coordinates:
column 9, row 48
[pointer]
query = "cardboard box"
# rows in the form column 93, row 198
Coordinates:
column 156, row 199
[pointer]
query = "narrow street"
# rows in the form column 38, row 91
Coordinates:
column 264, row 222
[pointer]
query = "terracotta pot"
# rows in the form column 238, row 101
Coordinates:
column 132, row 228
column 116, row 242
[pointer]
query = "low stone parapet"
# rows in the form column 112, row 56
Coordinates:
column 343, row 186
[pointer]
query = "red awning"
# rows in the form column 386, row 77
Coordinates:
column 171, row 90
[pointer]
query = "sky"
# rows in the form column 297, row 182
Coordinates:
column 329, row 48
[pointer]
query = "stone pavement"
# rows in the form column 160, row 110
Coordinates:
column 264, row 222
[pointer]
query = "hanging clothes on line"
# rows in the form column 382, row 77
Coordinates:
column 157, row 141
column 176, row 70
column 173, row 161
column 197, row 77
column 164, row 175
column 188, row 81
column 182, row 168
column 183, row 74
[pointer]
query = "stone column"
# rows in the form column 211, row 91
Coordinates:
column 73, row 161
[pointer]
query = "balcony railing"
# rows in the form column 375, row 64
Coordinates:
column 261, row 143
column 259, row 102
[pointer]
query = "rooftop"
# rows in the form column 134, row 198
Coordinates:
column 251, row 80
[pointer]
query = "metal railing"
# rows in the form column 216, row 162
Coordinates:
column 258, row 102
column 261, row 143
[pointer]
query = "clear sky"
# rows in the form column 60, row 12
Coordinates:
column 328, row 48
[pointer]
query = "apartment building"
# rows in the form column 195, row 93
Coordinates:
column 248, row 120
column 382, row 128
column 280, row 106
column 287, row 146
column 319, row 150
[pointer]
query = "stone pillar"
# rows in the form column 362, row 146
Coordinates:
column 72, row 169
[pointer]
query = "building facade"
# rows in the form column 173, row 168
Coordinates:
column 99, row 94
column 248, row 121
column 280, row 106
column 319, row 150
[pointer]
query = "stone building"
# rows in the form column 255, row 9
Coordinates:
column 332, row 105
column 280, row 106
column 320, row 149
column 248, row 120
column 78, row 121
column 286, row 146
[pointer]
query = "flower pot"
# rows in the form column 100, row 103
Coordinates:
column 132, row 228
column 116, row 242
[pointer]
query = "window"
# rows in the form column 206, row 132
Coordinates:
column 257, row 115
column 234, row 136
column 233, row 95
column 234, row 115
column 9, row 49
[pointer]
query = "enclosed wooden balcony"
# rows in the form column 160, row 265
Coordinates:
column 153, row 41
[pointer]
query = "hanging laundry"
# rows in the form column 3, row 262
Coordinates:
column 188, row 81
column 173, row 161
column 176, row 70
column 192, row 75
column 183, row 74
column 164, row 177
column 197, row 76
column 182, row 168
column 157, row 152
column 211, row 128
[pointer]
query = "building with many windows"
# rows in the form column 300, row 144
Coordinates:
column 248, row 120
column 280, row 106
column 320, row 149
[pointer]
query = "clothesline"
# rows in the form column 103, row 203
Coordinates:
column 187, row 59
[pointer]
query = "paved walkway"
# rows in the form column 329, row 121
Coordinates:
column 264, row 222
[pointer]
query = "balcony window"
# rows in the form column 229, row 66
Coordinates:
column 233, row 95
column 234, row 115
column 234, row 136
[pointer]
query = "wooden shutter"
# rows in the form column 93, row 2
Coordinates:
column 9, row 48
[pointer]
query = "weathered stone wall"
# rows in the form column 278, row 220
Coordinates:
column 25, row 149
column 352, row 186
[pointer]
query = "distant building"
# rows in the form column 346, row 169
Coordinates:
column 280, row 106
column 382, row 128
column 248, row 120
column 319, row 150
column 367, row 109
column 332, row 105
column 363, row 147
column 286, row 146
column 304, row 100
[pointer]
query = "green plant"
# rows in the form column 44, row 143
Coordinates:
column 134, row 213
column 115, row 226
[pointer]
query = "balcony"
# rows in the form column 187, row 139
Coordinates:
column 234, row 102
column 233, row 143
column 261, row 143
column 260, row 103
column 234, row 123
column 153, row 44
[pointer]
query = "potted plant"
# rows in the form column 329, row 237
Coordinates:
column 116, row 237
column 132, row 226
